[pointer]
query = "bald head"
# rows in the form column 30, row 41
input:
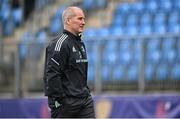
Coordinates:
column 69, row 13
column 73, row 19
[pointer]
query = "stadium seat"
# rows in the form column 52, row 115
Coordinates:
column 173, row 18
column 145, row 19
column 116, row 31
column 165, row 5
column 122, row 8
column 145, row 29
column 103, row 32
column 149, row 71
column 174, row 28
column 159, row 18
column 89, row 33
column 137, row 7
column 125, row 53
column 105, row 72
column 151, row 5
column 118, row 20
column 160, row 29
column 131, row 30
column 110, row 52
column 91, row 72
column 153, row 52
column 162, row 72
column 132, row 72
column 132, row 20
column 118, row 72
column 168, row 50
column 17, row 15
column 153, row 43
column 55, row 25
column 136, row 51
column 176, row 5
column 5, row 11
column 23, row 47
column 175, row 72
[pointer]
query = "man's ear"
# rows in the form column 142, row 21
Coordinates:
column 68, row 21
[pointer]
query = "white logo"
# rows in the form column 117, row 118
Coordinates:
column 73, row 49
column 57, row 104
column 82, row 48
column 80, row 55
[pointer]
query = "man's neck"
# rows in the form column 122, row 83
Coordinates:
column 71, row 31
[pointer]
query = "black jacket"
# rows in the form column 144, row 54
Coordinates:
column 66, row 67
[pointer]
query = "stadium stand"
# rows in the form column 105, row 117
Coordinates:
column 140, row 31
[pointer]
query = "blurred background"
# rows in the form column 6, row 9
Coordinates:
column 133, row 49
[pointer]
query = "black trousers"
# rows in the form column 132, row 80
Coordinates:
column 72, row 107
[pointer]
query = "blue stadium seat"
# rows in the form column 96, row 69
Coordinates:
column 153, row 52
column 103, row 32
column 91, row 72
column 110, row 52
column 175, row 72
column 168, row 50
column 160, row 29
column 37, row 48
column 23, row 48
column 132, row 72
column 89, row 33
column 174, row 28
column 8, row 27
column 125, row 53
column 153, row 43
column 168, row 43
column 132, row 19
column 88, row 4
column 125, row 44
column 151, row 5
column 122, row 8
column 173, row 18
column 91, row 57
column 118, row 20
column 125, row 57
column 165, row 5
column 136, row 51
column 55, row 25
column 176, row 5
column 105, row 72
column 159, row 18
column 145, row 19
column 137, row 7
column 149, row 71
column 5, row 11
column 116, row 31
column 145, row 29
column 17, row 15
column 131, row 30
column 162, row 72
column 118, row 72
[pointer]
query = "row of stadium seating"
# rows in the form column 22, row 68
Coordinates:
column 120, row 58
column 10, row 18
column 161, row 55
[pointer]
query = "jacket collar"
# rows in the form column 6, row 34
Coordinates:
column 72, row 35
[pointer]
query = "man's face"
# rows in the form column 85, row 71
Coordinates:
column 77, row 22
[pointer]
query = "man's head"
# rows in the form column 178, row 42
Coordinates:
column 73, row 19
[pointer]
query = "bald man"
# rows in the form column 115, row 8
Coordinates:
column 66, row 67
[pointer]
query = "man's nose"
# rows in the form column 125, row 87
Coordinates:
column 83, row 22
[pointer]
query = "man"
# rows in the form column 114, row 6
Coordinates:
column 65, row 75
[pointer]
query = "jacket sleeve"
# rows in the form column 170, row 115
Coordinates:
column 55, row 66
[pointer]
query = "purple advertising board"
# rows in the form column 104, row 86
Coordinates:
column 105, row 106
